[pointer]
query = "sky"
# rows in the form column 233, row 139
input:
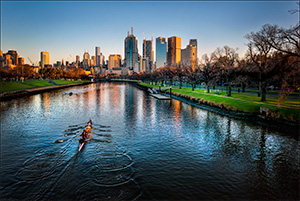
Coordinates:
column 65, row 28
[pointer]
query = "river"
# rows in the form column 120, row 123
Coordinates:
column 141, row 149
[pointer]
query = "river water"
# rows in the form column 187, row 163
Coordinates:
column 141, row 149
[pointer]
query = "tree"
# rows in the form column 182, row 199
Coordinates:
column 193, row 76
column 225, row 59
column 180, row 73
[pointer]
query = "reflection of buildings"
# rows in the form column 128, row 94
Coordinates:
column 161, row 52
column 174, row 51
column 131, row 50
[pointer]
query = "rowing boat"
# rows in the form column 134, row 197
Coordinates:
column 87, row 129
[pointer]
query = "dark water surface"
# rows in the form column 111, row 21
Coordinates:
column 141, row 149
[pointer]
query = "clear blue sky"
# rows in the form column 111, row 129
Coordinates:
column 71, row 27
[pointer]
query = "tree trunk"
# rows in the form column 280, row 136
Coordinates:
column 180, row 84
column 229, row 90
column 243, row 87
column 208, row 89
column 263, row 93
column 193, row 87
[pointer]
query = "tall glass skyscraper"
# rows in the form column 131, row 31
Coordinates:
column 131, row 50
column 161, row 52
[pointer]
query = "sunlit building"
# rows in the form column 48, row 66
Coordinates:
column 114, row 61
column 44, row 59
column 86, row 60
column 131, row 50
column 161, row 52
column 174, row 51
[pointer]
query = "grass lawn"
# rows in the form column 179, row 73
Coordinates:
column 242, row 102
column 28, row 84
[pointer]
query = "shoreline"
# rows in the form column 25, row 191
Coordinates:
column 27, row 92
column 256, row 118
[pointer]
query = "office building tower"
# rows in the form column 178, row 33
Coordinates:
column 131, row 50
column 189, row 56
column 148, row 53
column 161, row 52
column 44, row 59
column 86, row 60
column 98, row 55
column 174, row 51
column 194, row 43
column 114, row 61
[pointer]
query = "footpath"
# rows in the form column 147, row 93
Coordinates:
column 26, row 92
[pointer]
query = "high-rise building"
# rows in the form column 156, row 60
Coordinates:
column 189, row 56
column 131, row 50
column 194, row 43
column 98, row 55
column 114, row 61
column 44, row 59
column 174, row 51
column 161, row 52
column 86, row 60
column 148, row 53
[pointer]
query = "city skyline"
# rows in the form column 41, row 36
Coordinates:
column 72, row 28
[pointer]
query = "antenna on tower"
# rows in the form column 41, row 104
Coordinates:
column 131, row 30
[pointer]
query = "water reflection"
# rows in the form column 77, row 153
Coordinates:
column 142, row 148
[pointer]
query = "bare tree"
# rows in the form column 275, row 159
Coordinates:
column 225, row 59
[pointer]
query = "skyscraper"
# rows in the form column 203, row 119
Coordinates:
column 97, row 54
column 44, row 59
column 174, row 51
column 194, row 43
column 131, row 50
column 86, row 60
column 148, row 54
column 161, row 52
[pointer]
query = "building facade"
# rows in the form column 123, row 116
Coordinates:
column 174, row 51
column 131, row 50
column 114, row 61
column 44, row 59
column 161, row 52
column 148, row 54
column 189, row 56
column 98, row 55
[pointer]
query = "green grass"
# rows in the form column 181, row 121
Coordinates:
column 242, row 102
column 59, row 82
column 29, row 84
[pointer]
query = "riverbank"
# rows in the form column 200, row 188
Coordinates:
column 35, row 87
column 281, row 117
